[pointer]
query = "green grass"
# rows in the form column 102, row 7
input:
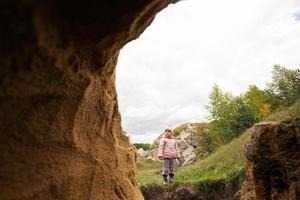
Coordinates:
column 224, row 165
column 285, row 113
column 148, row 172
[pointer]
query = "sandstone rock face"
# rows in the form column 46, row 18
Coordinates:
column 273, row 163
column 59, row 121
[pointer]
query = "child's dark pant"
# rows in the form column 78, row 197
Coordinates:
column 168, row 167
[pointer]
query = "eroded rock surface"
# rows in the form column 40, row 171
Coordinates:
column 213, row 191
column 273, row 162
column 60, row 127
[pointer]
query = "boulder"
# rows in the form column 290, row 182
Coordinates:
column 142, row 153
column 184, row 135
column 191, row 158
column 185, row 193
column 177, row 162
column 182, row 144
column 154, row 153
column 150, row 158
column 187, row 152
column 180, row 192
column 272, row 162
column 203, row 154
column 187, row 136
column 148, row 153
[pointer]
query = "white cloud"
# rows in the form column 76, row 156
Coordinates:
column 164, row 77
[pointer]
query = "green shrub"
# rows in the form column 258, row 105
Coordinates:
column 204, row 139
column 145, row 146
column 177, row 130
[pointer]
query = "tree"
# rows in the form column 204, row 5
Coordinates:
column 204, row 140
column 145, row 146
column 219, row 108
column 219, row 103
column 265, row 109
column 229, row 115
column 257, row 99
column 285, row 86
column 243, row 116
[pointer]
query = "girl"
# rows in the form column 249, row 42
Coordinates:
column 168, row 151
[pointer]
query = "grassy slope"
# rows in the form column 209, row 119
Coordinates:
column 224, row 165
column 148, row 172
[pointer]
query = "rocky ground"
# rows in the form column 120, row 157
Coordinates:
column 217, row 190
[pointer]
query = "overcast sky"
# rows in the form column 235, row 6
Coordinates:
column 164, row 77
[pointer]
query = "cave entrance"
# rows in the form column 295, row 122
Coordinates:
column 60, row 124
column 164, row 77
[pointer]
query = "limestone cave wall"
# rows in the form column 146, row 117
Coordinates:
column 60, row 129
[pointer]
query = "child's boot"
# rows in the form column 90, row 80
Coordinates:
column 171, row 178
column 165, row 179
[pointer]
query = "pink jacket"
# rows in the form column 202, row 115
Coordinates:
column 168, row 148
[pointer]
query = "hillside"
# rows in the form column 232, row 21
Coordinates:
column 223, row 169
